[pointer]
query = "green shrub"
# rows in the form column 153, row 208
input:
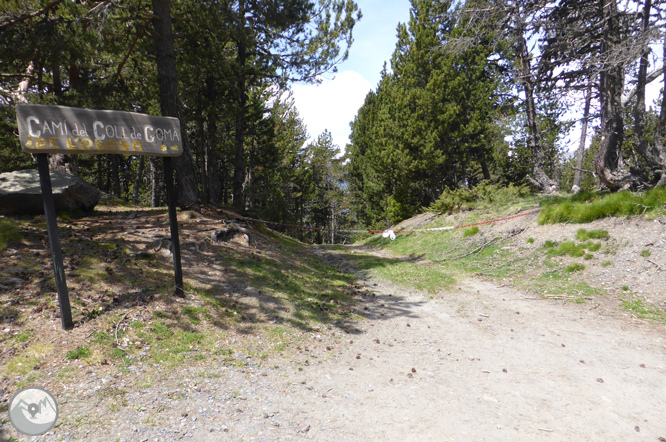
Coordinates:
column 453, row 201
column 646, row 253
column 530, row 240
column 550, row 244
column 615, row 204
column 463, row 198
column 470, row 232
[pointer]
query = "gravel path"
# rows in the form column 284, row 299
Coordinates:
column 481, row 363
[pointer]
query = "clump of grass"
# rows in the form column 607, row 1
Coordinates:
column 570, row 248
column 78, row 353
column 584, row 235
column 193, row 313
column 587, row 257
column 615, row 204
column 646, row 253
column 8, row 233
column 530, row 240
column 21, row 364
column 606, row 264
column 470, row 232
column 644, row 311
column 550, row 244
column 625, row 288
column 593, row 246
column 157, row 314
column 575, row 267
column 23, row 336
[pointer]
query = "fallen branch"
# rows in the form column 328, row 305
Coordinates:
column 652, row 262
column 118, row 325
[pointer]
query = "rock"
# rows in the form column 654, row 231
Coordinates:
column 233, row 232
column 15, row 281
column 21, row 193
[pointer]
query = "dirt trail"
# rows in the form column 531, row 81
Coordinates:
column 481, row 363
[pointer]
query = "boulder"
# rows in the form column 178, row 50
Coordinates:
column 21, row 194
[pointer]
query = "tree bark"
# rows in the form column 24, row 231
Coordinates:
column 213, row 172
column 609, row 162
column 169, row 103
column 580, row 156
column 115, row 176
column 202, row 159
column 540, row 180
column 239, row 163
column 58, row 161
column 660, row 132
column 137, row 181
column 154, row 183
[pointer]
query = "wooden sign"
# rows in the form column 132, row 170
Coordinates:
column 70, row 130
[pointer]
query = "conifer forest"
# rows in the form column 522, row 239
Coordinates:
column 476, row 93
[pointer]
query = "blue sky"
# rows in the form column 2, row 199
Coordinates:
column 333, row 104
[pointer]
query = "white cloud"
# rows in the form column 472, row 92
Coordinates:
column 331, row 105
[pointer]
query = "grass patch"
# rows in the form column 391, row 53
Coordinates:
column 643, row 311
column 23, row 336
column 624, row 203
column 575, row 267
column 584, row 235
column 530, row 240
column 646, row 253
column 193, row 313
column 570, row 248
column 21, row 364
column 79, row 353
column 8, row 233
column 606, row 263
column 470, row 232
column 428, row 277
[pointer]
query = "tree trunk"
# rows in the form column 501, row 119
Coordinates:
column 540, row 179
column 100, row 172
column 213, row 172
column 168, row 84
column 115, row 176
column 154, row 183
column 202, row 159
column 137, row 181
column 580, row 156
column 239, row 164
column 609, row 162
column 660, row 133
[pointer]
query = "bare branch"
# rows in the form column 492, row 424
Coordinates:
column 649, row 79
column 24, row 17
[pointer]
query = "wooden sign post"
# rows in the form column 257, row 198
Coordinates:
column 68, row 130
